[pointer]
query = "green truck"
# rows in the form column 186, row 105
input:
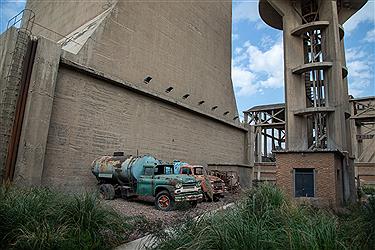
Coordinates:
column 131, row 176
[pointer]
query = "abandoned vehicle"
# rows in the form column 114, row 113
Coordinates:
column 213, row 187
column 131, row 176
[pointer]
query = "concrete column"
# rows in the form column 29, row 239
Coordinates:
column 9, row 88
column 31, row 151
column 337, row 96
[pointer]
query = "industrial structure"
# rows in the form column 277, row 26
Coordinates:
column 269, row 137
column 317, row 162
column 85, row 79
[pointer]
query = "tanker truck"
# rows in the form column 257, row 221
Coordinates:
column 131, row 176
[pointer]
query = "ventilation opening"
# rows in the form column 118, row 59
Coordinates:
column 185, row 96
column 169, row 89
column 147, row 80
column 214, row 107
column 226, row 112
column 235, row 118
column 118, row 153
column 200, row 103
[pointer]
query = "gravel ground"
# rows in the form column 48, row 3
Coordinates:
column 157, row 219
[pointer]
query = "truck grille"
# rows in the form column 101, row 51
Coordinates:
column 188, row 186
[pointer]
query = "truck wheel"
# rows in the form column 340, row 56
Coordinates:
column 164, row 201
column 193, row 204
column 107, row 191
column 216, row 198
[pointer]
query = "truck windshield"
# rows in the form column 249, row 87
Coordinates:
column 186, row 171
column 198, row 171
column 164, row 169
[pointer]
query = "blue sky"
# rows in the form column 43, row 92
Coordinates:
column 257, row 53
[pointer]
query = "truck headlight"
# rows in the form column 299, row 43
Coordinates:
column 178, row 185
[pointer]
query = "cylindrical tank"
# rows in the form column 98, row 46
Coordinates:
column 121, row 169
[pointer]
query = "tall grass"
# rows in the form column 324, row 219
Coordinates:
column 265, row 219
column 43, row 219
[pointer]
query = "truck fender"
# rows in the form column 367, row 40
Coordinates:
column 160, row 188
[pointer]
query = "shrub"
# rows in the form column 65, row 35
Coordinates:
column 265, row 219
column 369, row 190
column 39, row 218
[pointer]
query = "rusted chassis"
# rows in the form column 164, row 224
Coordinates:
column 177, row 195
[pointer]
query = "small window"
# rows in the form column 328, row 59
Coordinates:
column 185, row 96
column 214, row 107
column 169, row 89
column 304, row 185
column 149, row 171
column 226, row 112
column 186, row 171
column 201, row 102
column 198, row 171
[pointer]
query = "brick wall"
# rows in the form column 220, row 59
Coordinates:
column 328, row 172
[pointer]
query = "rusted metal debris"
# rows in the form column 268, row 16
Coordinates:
column 231, row 179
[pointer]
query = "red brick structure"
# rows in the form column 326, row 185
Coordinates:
column 327, row 175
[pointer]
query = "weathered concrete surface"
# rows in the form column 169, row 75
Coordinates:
column 12, row 53
column 7, row 43
column 91, row 117
column 181, row 44
column 31, row 151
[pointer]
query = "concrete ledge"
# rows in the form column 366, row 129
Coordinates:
column 308, row 111
column 230, row 165
column 307, row 151
column 119, row 82
column 311, row 66
column 318, row 25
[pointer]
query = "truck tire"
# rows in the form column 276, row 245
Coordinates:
column 193, row 204
column 164, row 201
column 107, row 191
column 216, row 198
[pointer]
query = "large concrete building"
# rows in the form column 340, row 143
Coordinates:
column 317, row 161
column 82, row 79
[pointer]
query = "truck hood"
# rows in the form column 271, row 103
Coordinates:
column 177, row 177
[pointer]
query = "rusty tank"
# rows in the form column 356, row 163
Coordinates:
column 120, row 169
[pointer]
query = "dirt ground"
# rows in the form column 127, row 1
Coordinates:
column 157, row 219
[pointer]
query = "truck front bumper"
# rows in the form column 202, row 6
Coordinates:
column 188, row 197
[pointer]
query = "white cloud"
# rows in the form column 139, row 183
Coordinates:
column 255, row 69
column 245, row 11
column 370, row 35
column 244, row 81
column 235, row 37
column 361, row 74
column 366, row 14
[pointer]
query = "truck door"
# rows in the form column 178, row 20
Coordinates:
column 145, row 182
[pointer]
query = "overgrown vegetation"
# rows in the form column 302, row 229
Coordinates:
column 265, row 219
column 43, row 219
column 368, row 190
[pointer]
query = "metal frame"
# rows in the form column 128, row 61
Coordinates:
column 269, row 123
